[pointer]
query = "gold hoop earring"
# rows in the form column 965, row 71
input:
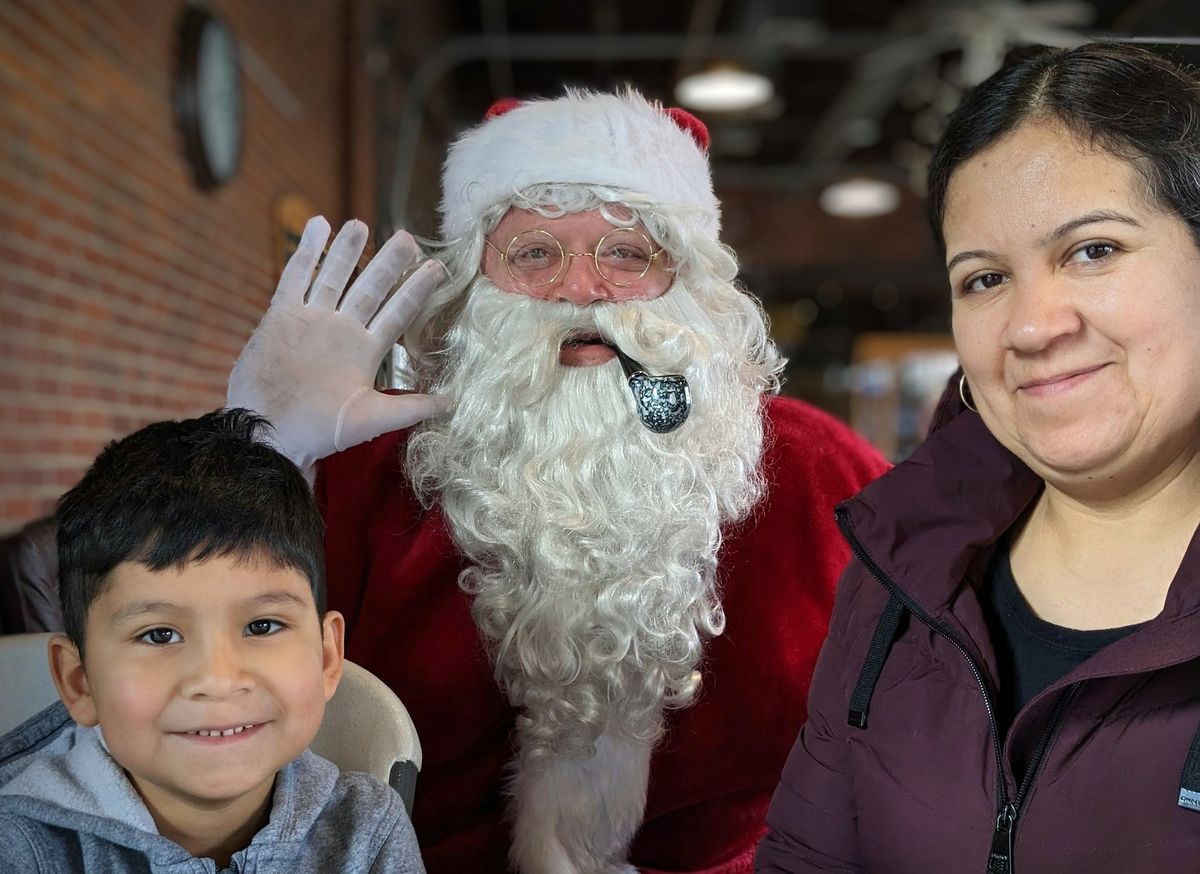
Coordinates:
column 964, row 392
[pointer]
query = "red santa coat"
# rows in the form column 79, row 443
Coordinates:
column 393, row 570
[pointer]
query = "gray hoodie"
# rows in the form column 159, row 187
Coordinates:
column 67, row 806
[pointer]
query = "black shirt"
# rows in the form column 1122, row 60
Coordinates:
column 1031, row 653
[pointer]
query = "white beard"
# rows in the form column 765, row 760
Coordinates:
column 593, row 541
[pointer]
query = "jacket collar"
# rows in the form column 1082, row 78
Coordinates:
column 932, row 518
column 932, row 522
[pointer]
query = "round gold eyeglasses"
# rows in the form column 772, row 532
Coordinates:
column 536, row 258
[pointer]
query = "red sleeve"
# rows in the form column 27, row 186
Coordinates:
column 812, row 821
column 351, row 491
column 713, row 776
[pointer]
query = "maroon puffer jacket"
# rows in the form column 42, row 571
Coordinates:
column 921, row 787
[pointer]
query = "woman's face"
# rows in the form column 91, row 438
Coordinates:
column 1076, row 306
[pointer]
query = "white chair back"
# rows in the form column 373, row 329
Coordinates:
column 25, row 684
column 367, row 728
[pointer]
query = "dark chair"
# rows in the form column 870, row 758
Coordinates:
column 29, row 579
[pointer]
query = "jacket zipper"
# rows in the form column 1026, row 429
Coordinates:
column 1000, row 859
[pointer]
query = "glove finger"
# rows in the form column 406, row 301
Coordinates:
column 343, row 257
column 368, row 291
column 368, row 413
column 408, row 300
column 297, row 273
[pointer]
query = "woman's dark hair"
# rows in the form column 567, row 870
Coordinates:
column 1128, row 101
column 178, row 492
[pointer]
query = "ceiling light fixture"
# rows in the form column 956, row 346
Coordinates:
column 860, row 198
column 724, row 88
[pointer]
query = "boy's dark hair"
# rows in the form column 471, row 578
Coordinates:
column 178, row 492
column 1133, row 103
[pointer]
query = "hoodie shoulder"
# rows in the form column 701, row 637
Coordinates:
column 17, row 851
column 360, row 820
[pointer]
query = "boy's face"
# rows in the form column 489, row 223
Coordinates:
column 206, row 680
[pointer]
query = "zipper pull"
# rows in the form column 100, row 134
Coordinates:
column 1000, row 861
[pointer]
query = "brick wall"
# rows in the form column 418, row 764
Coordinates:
column 125, row 292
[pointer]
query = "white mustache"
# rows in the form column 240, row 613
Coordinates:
column 650, row 332
column 662, row 399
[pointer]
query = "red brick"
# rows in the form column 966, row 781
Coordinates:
column 126, row 292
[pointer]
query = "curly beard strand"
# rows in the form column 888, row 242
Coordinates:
column 592, row 541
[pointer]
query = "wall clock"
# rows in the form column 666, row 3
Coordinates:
column 208, row 97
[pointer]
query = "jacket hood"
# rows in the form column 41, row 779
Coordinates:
column 72, row 770
column 932, row 522
column 937, row 515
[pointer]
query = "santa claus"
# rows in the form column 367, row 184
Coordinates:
column 598, row 566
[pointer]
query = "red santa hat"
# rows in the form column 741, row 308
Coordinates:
column 615, row 140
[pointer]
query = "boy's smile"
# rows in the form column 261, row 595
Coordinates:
column 207, row 680
column 218, row 733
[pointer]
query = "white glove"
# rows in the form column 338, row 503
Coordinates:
column 310, row 365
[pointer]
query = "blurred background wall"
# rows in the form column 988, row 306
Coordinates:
column 131, row 278
column 127, row 290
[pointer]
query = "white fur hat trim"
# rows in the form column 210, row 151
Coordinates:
column 616, row 140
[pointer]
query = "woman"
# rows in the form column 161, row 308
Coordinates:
column 1011, row 680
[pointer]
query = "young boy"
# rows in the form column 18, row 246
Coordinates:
column 195, row 668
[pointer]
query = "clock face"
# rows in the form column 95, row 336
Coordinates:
column 209, row 97
column 219, row 99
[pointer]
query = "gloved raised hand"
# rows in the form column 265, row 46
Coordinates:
column 310, row 365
